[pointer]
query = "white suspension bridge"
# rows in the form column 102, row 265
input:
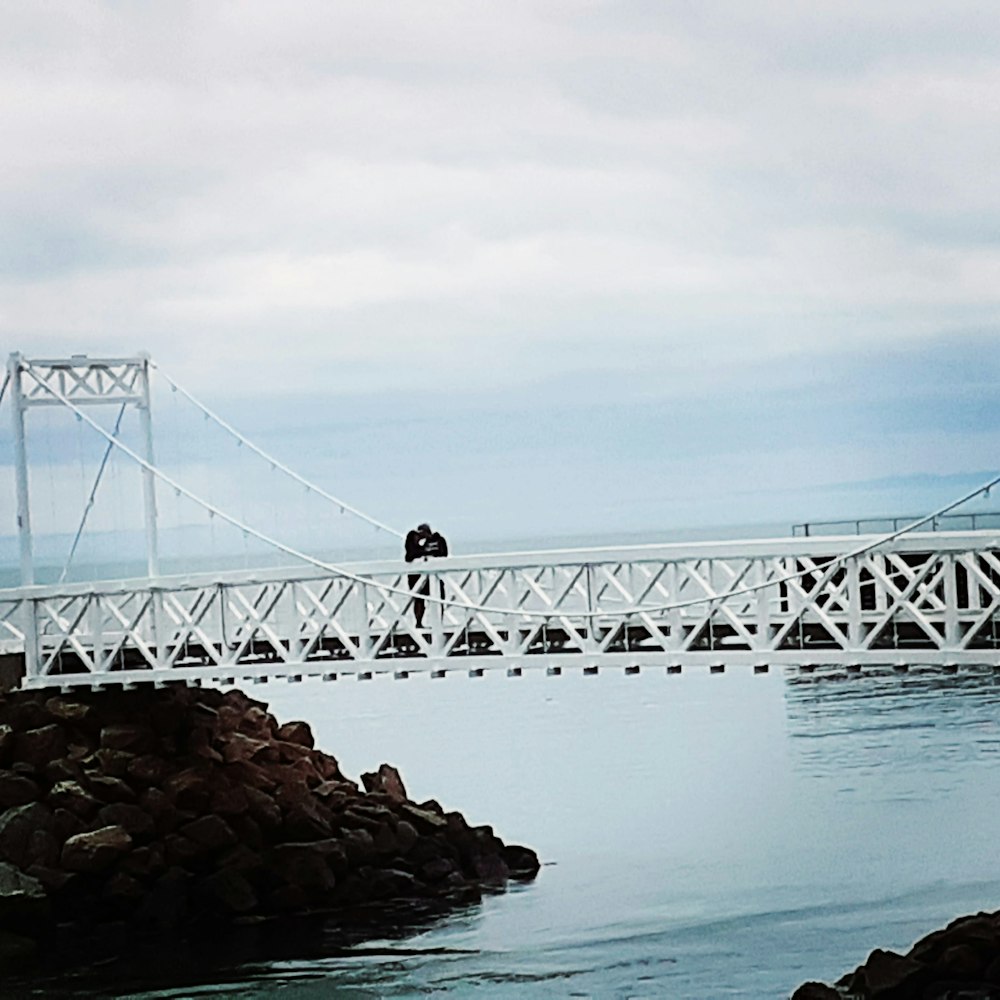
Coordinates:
column 911, row 597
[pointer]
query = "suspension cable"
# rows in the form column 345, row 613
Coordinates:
column 93, row 495
column 276, row 463
column 828, row 569
column 6, row 382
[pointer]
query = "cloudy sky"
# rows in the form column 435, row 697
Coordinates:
column 527, row 268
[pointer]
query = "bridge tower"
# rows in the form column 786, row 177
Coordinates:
column 80, row 381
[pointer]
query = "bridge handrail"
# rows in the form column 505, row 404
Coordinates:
column 787, row 548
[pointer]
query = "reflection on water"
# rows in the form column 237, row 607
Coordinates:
column 705, row 836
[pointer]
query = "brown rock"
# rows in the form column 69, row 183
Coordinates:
column 359, row 845
column 97, row 850
column 815, row 991
column 228, row 799
column 165, row 906
column 425, row 820
column 887, row 974
column 65, row 824
column 257, row 722
column 43, row 849
column 114, row 762
column 71, row 796
column 146, row 861
column 6, row 743
column 158, row 806
column 63, row 769
column 39, row 746
column 189, row 790
column 307, row 820
column 960, row 961
column 386, row 780
column 522, row 862
column 437, row 869
column 290, row 752
column 132, row 818
column 226, row 892
column 356, row 816
column 24, row 904
column 53, row 880
column 385, row 840
column 304, row 866
column 133, row 737
column 241, row 858
column 248, row 832
column 147, row 770
column 263, row 808
column 16, row 790
column 17, row 825
column 329, row 769
column 181, row 852
column 240, row 747
column 296, row 732
column 490, row 868
column 109, row 789
column 66, row 710
column 406, row 836
column 253, row 775
column 212, row 832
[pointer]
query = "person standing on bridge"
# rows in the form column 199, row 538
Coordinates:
column 422, row 543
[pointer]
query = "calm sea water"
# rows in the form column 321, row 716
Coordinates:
column 703, row 835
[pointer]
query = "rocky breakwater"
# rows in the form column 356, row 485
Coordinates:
column 959, row 962
column 160, row 813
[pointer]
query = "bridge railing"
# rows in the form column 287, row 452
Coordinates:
column 935, row 596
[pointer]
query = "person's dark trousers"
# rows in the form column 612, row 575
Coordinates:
column 418, row 603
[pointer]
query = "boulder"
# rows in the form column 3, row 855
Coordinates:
column 135, row 820
column 134, row 737
column 304, row 866
column 113, row 762
column 109, row 789
column 296, row 732
column 17, row 825
column 39, row 746
column 211, row 832
column 96, row 850
column 886, row 975
column 66, row 710
column 522, row 862
column 425, row 820
column 147, row 769
column 240, row 747
column 24, row 904
column 73, row 797
column 406, row 836
column 387, row 781
column 227, row 893
column 16, row 789
column 815, row 991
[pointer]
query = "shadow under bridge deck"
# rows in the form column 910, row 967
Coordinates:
column 926, row 598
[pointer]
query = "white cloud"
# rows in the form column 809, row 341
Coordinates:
column 378, row 196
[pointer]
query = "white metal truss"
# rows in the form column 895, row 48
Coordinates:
column 72, row 383
column 931, row 598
